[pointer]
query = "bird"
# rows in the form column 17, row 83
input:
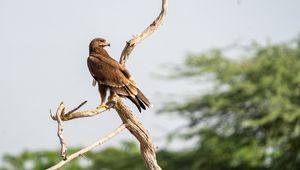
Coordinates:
column 112, row 76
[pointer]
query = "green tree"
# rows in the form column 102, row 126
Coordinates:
column 251, row 118
column 36, row 160
column 127, row 157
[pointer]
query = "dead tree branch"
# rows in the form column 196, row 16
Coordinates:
column 146, row 33
column 136, row 128
column 90, row 147
column 147, row 149
column 80, row 114
column 63, row 150
column 130, row 121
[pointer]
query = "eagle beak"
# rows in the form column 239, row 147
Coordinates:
column 107, row 43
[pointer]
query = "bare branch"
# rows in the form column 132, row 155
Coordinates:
column 146, row 33
column 135, row 127
column 88, row 148
column 127, row 116
column 80, row 114
column 78, row 107
column 63, row 150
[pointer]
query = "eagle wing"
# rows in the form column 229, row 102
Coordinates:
column 106, row 71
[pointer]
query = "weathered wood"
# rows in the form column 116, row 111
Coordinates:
column 90, row 147
column 130, row 121
column 146, row 33
column 136, row 128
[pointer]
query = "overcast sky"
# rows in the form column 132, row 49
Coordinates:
column 44, row 46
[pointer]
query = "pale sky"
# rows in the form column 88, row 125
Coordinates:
column 44, row 46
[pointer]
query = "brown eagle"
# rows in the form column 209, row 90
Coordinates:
column 112, row 76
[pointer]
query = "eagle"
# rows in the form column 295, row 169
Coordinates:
column 112, row 76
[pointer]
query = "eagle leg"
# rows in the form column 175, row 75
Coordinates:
column 111, row 94
column 102, row 90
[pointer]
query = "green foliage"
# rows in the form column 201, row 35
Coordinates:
column 252, row 117
column 127, row 157
column 35, row 160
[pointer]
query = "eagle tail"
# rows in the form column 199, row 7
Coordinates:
column 140, row 100
column 136, row 102
column 143, row 100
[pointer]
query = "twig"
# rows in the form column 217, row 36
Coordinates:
column 88, row 148
column 78, row 107
column 63, row 150
column 80, row 114
column 61, row 116
column 146, row 33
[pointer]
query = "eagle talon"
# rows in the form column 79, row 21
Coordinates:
column 103, row 106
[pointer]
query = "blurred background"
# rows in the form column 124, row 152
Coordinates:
column 223, row 77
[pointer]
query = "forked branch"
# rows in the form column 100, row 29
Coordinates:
column 80, row 114
column 130, row 121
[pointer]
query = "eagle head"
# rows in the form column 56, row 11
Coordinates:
column 99, row 42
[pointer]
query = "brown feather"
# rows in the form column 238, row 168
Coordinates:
column 141, row 97
column 112, row 75
column 137, row 103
